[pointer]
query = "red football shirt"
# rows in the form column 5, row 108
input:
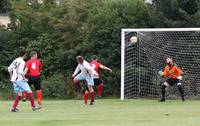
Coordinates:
column 96, row 65
column 34, row 66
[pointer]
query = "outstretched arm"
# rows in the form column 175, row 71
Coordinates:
column 105, row 68
column 76, row 71
column 10, row 73
column 21, row 70
column 10, row 70
column 25, row 71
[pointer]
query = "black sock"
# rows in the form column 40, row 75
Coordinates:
column 180, row 89
column 163, row 92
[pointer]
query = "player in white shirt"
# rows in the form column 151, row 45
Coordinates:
column 16, row 72
column 87, row 73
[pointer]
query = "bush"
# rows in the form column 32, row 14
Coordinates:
column 56, row 87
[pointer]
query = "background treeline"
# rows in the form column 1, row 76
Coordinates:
column 60, row 32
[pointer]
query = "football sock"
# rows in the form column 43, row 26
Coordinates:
column 86, row 96
column 39, row 96
column 25, row 95
column 180, row 88
column 100, row 90
column 30, row 96
column 163, row 92
column 92, row 96
column 16, row 101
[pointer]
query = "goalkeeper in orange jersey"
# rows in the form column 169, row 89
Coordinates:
column 174, row 76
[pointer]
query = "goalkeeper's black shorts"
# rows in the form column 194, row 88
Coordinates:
column 171, row 82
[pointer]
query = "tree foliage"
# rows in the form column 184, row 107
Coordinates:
column 83, row 27
column 4, row 6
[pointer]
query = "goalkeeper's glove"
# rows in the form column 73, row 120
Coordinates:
column 161, row 73
column 179, row 77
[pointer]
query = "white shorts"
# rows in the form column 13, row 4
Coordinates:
column 21, row 86
column 89, row 79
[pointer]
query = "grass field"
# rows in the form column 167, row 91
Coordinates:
column 108, row 112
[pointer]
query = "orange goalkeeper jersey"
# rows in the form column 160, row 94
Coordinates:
column 172, row 71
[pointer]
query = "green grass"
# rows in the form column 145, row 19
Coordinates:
column 109, row 112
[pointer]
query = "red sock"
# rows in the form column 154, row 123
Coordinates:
column 92, row 96
column 25, row 94
column 30, row 96
column 39, row 97
column 86, row 96
column 100, row 90
column 16, row 101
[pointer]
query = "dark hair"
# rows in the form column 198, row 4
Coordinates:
column 22, row 51
column 32, row 53
column 79, row 59
column 94, row 57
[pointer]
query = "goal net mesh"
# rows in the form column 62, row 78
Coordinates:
column 143, row 60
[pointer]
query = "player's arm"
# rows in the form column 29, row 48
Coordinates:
column 40, row 65
column 26, row 68
column 25, row 71
column 21, row 70
column 165, row 72
column 105, row 68
column 10, row 70
column 76, row 71
column 178, row 70
column 91, row 70
column 10, row 74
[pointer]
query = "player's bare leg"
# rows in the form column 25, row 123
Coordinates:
column 77, row 85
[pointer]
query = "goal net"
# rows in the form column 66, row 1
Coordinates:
column 142, row 60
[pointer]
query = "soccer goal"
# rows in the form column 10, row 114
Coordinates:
column 143, row 54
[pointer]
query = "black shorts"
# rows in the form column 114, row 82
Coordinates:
column 171, row 82
column 98, row 81
column 35, row 80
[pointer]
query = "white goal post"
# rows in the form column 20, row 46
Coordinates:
column 141, row 60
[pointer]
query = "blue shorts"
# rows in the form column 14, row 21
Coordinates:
column 21, row 86
column 89, row 79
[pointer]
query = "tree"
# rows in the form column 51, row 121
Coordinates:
column 4, row 6
column 84, row 27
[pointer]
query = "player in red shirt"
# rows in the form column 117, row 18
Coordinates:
column 96, row 65
column 33, row 67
